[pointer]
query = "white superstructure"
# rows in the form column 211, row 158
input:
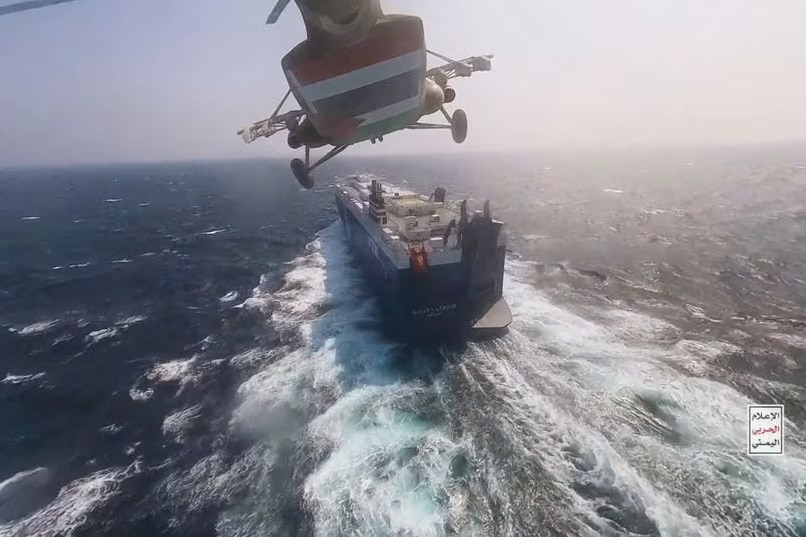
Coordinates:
column 409, row 219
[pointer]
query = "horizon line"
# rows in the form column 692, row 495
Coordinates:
column 534, row 152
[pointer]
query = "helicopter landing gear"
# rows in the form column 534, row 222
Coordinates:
column 302, row 174
column 459, row 126
column 457, row 123
column 302, row 170
column 450, row 94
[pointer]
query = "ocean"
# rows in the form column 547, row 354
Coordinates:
column 188, row 349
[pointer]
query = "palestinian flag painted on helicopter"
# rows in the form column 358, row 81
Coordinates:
column 368, row 90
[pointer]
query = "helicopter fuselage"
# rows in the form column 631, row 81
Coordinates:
column 363, row 91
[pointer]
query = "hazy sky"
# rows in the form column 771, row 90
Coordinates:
column 132, row 80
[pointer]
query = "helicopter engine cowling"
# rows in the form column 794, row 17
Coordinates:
column 305, row 135
column 433, row 97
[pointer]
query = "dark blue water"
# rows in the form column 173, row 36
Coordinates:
column 126, row 267
column 187, row 349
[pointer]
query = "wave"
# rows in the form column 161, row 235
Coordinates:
column 23, row 493
column 75, row 504
column 181, row 372
column 661, row 437
column 130, row 320
column 229, row 297
column 97, row 336
column 136, row 394
column 112, row 332
column 175, row 370
column 37, row 328
column 21, row 379
column 315, row 393
column 587, row 426
column 111, row 429
column 177, row 425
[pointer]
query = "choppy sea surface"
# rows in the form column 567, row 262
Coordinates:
column 188, row 349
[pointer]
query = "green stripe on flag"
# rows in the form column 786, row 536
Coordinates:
column 385, row 126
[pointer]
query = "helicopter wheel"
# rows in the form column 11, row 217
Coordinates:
column 302, row 174
column 450, row 94
column 459, row 126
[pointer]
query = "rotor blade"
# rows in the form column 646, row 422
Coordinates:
column 29, row 4
column 278, row 9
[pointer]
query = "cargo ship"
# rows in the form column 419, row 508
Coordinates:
column 437, row 269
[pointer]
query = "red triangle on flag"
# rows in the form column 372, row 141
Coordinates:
column 339, row 127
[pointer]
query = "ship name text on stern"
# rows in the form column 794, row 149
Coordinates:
column 433, row 311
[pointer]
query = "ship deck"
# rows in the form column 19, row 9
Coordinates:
column 411, row 219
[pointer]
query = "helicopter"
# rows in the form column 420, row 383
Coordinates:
column 360, row 74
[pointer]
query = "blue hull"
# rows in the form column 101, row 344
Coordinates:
column 439, row 305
